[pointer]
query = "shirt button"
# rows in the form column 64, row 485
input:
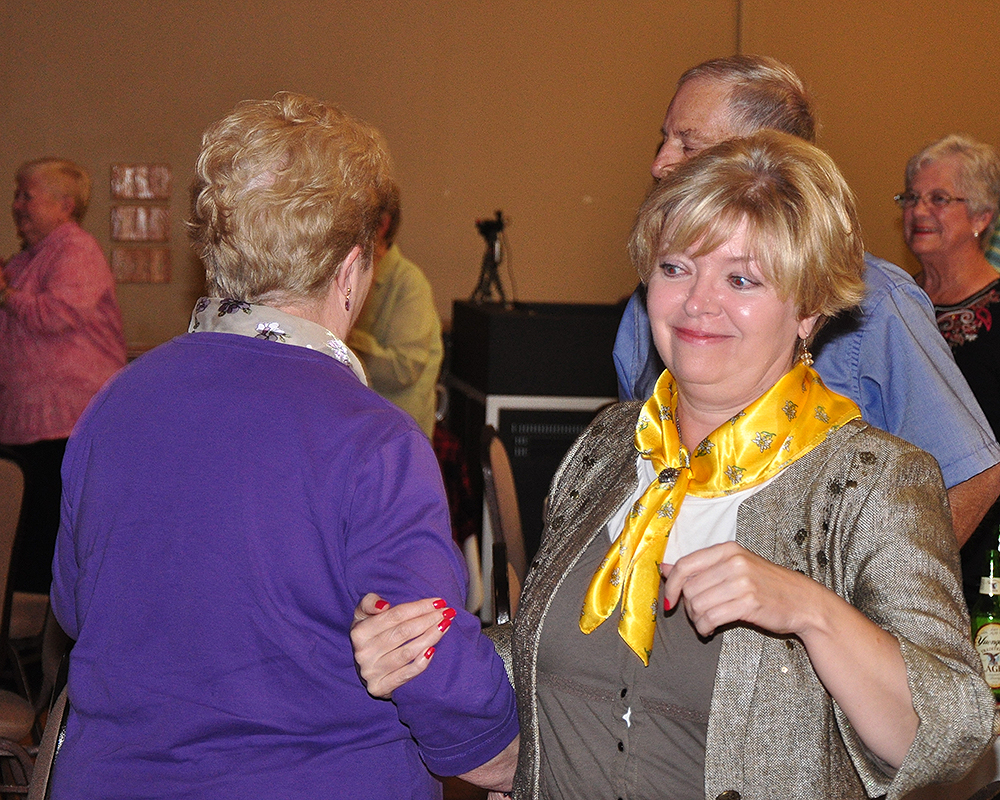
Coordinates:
column 621, row 747
column 729, row 794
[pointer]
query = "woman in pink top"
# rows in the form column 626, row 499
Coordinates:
column 60, row 340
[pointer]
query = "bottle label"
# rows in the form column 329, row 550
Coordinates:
column 988, row 645
column 990, row 586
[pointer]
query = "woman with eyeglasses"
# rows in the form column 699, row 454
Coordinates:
column 949, row 215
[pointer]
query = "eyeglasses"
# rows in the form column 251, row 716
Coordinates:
column 935, row 199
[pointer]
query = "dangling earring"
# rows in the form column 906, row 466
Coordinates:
column 804, row 355
column 347, row 302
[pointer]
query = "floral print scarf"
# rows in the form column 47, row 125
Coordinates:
column 224, row 315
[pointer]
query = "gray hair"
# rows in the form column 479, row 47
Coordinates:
column 283, row 190
column 63, row 178
column 978, row 178
column 764, row 93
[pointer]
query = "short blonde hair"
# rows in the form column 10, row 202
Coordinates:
column 63, row 178
column 802, row 224
column 978, row 179
column 284, row 188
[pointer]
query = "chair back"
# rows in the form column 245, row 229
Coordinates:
column 11, row 497
column 54, row 658
column 474, row 598
column 52, row 739
column 509, row 560
column 989, row 792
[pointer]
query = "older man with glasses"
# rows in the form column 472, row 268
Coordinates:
column 889, row 358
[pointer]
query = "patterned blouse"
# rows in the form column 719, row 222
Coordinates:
column 964, row 321
column 969, row 329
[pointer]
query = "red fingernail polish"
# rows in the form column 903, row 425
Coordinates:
column 382, row 604
column 429, row 652
column 449, row 613
column 666, row 605
column 444, row 624
column 439, row 603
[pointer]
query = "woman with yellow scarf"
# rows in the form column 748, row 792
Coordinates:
column 810, row 638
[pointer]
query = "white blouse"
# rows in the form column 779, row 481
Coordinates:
column 701, row 522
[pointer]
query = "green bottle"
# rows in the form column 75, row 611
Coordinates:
column 986, row 623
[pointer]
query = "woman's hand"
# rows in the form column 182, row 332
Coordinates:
column 859, row 663
column 727, row 583
column 392, row 645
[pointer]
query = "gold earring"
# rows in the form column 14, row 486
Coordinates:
column 805, row 356
column 347, row 302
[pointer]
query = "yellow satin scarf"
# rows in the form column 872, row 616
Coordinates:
column 779, row 427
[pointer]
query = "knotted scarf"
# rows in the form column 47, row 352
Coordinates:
column 779, row 427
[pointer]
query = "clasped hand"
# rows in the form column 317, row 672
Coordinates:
column 394, row 644
column 727, row 583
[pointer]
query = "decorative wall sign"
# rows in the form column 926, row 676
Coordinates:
column 141, row 181
column 141, row 265
column 141, row 215
column 140, row 223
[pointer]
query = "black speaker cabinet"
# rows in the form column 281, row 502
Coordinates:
column 537, row 372
column 555, row 349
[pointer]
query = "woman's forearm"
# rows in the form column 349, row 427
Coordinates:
column 497, row 774
column 862, row 668
column 859, row 663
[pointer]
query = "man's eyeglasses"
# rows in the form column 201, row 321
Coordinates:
column 935, row 199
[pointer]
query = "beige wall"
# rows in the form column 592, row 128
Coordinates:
column 541, row 108
column 547, row 109
column 888, row 77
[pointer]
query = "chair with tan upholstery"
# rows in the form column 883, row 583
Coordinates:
column 505, row 522
column 52, row 739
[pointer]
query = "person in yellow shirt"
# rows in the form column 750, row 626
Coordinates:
column 398, row 335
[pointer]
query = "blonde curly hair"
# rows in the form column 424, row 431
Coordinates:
column 284, row 189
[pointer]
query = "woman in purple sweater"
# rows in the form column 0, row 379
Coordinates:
column 230, row 496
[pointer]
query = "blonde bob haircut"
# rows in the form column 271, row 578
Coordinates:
column 977, row 177
column 62, row 178
column 284, row 189
column 802, row 225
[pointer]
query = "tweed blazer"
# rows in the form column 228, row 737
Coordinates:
column 866, row 515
